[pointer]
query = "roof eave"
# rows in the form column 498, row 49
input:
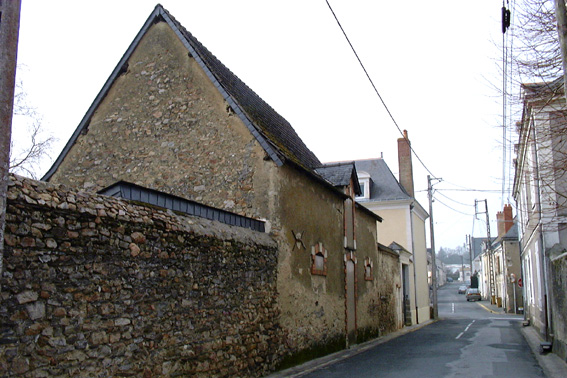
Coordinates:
column 159, row 14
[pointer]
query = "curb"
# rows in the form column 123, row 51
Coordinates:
column 318, row 363
column 552, row 365
column 490, row 310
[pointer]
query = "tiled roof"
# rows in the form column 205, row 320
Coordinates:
column 273, row 132
column 384, row 186
column 340, row 174
column 268, row 122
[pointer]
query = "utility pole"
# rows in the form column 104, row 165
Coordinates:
column 488, row 252
column 561, row 16
column 433, row 263
column 463, row 267
column 9, row 32
column 468, row 244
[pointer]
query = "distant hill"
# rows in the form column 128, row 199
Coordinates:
column 454, row 259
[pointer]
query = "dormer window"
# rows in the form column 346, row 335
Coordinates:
column 364, row 182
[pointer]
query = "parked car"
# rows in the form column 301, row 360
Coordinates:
column 462, row 289
column 473, row 294
column 449, row 279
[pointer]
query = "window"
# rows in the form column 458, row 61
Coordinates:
column 318, row 260
column 368, row 269
column 364, row 182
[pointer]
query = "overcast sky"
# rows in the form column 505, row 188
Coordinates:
column 434, row 63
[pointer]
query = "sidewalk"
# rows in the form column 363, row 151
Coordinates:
column 552, row 365
column 310, row 366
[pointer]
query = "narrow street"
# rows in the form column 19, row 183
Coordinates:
column 469, row 340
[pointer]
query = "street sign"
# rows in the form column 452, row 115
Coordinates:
column 520, row 282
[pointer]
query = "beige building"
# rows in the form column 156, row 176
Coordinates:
column 403, row 224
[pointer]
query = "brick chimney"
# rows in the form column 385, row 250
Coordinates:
column 404, row 162
column 504, row 220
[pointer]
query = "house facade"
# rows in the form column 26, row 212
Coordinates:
column 501, row 266
column 172, row 118
column 404, row 223
column 540, row 186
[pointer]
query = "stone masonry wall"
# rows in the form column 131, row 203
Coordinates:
column 95, row 286
column 559, row 306
column 165, row 126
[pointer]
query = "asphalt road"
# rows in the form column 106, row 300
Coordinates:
column 468, row 341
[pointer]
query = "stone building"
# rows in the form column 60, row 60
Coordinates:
column 172, row 118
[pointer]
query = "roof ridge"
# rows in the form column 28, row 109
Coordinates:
column 274, row 133
column 230, row 82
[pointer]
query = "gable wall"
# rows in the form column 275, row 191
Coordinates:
column 163, row 125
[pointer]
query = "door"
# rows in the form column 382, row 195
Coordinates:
column 350, row 302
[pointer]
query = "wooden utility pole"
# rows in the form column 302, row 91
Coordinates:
column 561, row 16
column 433, row 262
column 9, row 31
column 469, row 244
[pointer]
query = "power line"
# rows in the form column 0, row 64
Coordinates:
column 471, row 190
column 450, row 199
column 455, row 210
column 375, row 89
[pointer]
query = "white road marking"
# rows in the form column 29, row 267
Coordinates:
column 466, row 329
column 452, row 307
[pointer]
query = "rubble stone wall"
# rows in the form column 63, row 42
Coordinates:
column 95, row 286
column 559, row 306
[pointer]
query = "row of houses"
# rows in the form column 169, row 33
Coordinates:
column 173, row 123
column 525, row 268
column 496, row 265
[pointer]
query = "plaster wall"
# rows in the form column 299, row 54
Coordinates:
column 395, row 226
column 421, row 268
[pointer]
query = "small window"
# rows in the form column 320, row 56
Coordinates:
column 368, row 269
column 318, row 260
column 364, row 182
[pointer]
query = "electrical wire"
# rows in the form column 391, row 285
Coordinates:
column 504, row 104
column 375, row 89
column 400, row 130
column 471, row 190
column 455, row 210
column 450, row 199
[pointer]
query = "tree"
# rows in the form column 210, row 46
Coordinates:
column 538, row 66
column 536, row 54
column 25, row 156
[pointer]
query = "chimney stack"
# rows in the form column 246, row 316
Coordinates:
column 404, row 162
column 504, row 220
